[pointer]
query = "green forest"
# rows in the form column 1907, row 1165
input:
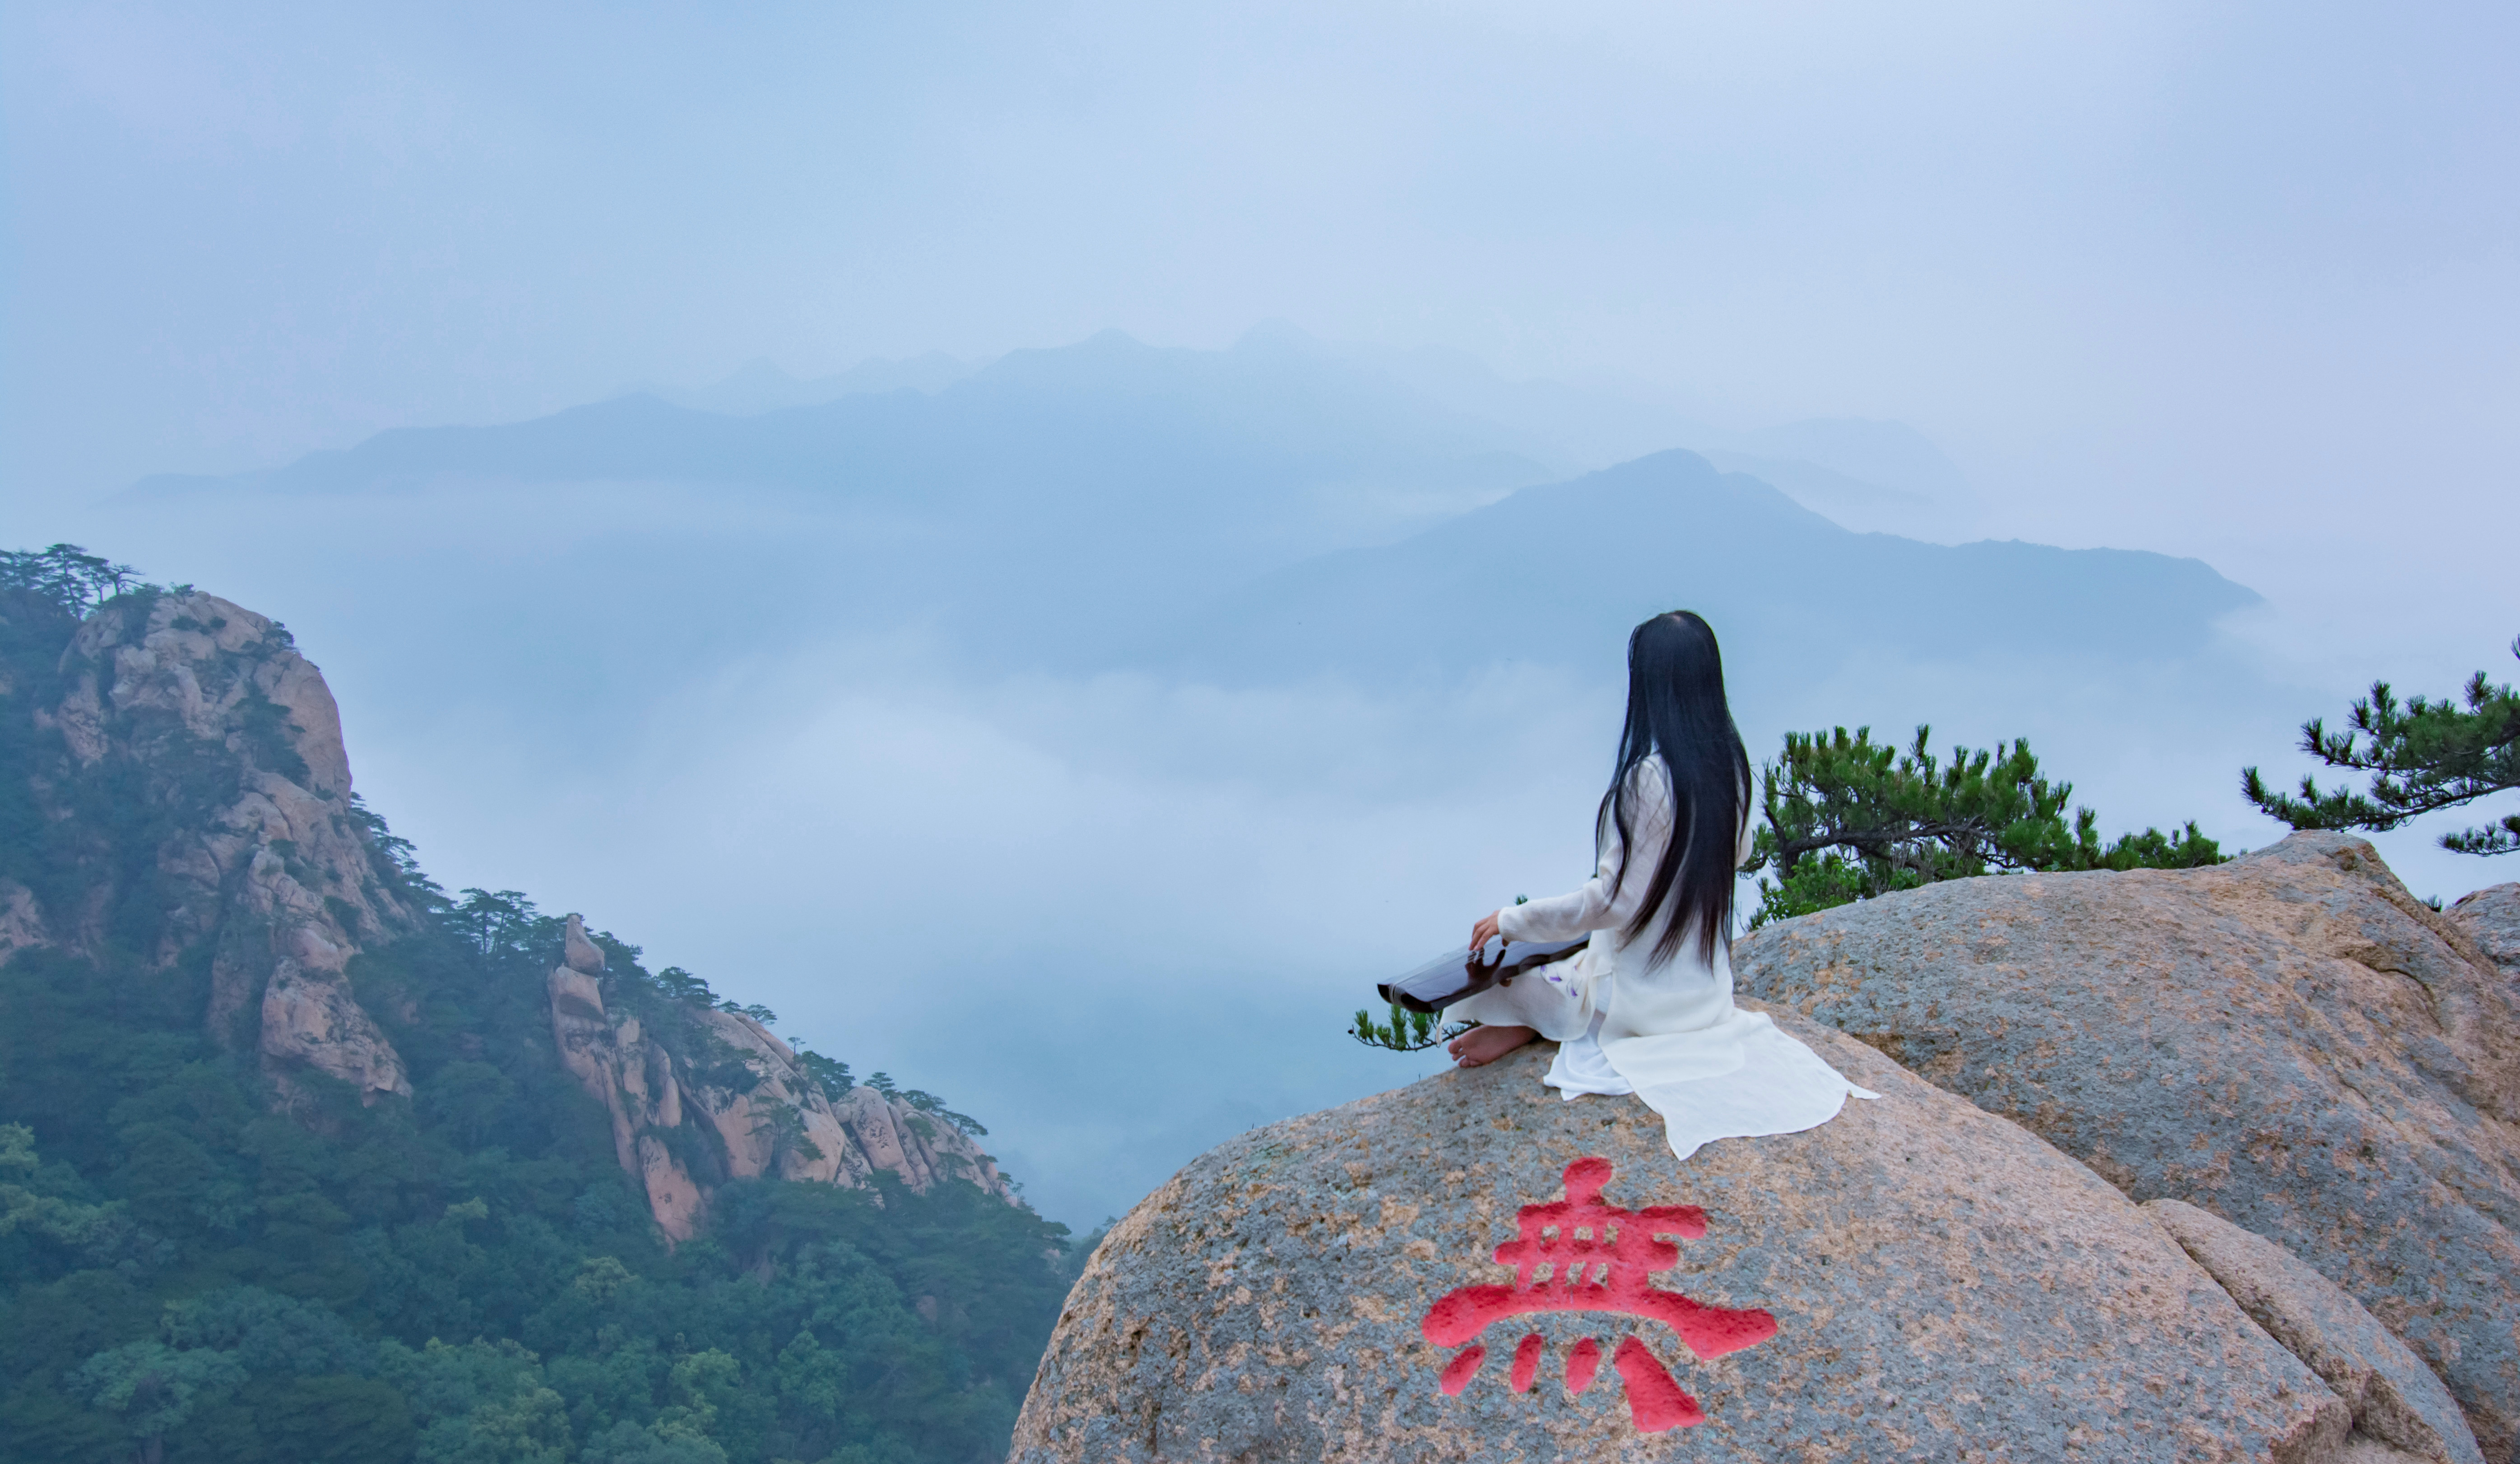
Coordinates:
column 187, row 1275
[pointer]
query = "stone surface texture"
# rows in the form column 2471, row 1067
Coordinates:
column 1943, row 1285
column 2395, row 1399
column 680, row 1128
column 2491, row 917
column 2290, row 1040
column 209, row 709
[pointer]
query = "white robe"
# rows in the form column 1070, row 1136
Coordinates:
column 1669, row 1033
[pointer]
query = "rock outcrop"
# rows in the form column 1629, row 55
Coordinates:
column 2290, row 1041
column 2491, row 917
column 722, row 1098
column 223, row 750
column 2397, row 1402
column 190, row 763
column 1915, row 1279
column 22, row 920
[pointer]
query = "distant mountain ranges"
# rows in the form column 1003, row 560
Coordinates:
column 1277, row 510
column 1568, row 565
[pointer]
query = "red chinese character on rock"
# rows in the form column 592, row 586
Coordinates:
column 1582, row 1255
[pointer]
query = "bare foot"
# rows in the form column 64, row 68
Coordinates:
column 1481, row 1045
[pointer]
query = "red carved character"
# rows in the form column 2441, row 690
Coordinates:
column 1583, row 1255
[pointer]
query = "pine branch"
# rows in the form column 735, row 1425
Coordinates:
column 1405, row 1031
column 2423, row 756
column 2493, row 838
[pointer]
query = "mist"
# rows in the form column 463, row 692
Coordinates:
column 984, row 591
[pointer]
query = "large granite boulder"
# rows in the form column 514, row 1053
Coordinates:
column 2291, row 1042
column 2397, row 1405
column 1915, row 1279
column 2491, row 917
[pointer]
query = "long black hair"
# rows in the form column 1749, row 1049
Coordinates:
column 1676, row 707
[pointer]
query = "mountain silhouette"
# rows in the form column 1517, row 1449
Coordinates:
column 1555, row 574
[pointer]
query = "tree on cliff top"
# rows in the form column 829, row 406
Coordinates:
column 2423, row 756
column 1849, row 819
column 66, row 575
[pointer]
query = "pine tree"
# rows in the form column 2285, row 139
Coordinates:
column 2423, row 756
column 67, row 576
column 1850, row 819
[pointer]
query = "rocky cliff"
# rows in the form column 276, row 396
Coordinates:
column 195, row 804
column 2290, row 1041
column 720, row 1097
column 180, row 797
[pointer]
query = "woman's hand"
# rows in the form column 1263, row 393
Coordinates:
column 1484, row 931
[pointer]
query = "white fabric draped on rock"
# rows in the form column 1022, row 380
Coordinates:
column 1669, row 1033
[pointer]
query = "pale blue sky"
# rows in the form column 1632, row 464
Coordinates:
column 2259, row 253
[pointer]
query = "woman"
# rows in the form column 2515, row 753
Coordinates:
column 1647, row 1006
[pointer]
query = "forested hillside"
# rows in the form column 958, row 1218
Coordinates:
column 326, row 1242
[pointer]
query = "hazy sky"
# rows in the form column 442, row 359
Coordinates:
column 2237, row 268
column 2240, row 281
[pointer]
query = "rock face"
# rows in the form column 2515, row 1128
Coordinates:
column 1915, row 1279
column 191, row 762
column 22, row 920
column 224, row 750
column 632, row 1078
column 725, row 1099
column 2396, row 1400
column 2491, row 917
column 2290, row 1041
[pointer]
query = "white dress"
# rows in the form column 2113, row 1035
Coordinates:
column 1669, row 1033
